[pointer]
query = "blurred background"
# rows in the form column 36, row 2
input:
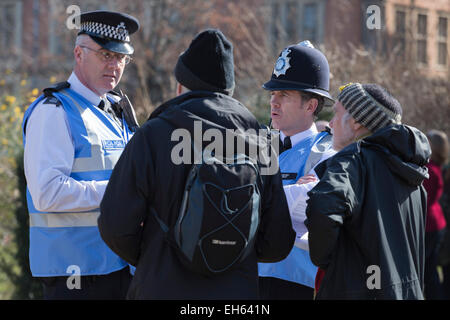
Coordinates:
column 402, row 45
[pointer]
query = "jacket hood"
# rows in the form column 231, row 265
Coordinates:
column 406, row 151
column 204, row 110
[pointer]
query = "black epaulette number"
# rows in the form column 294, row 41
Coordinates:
column 52, row 100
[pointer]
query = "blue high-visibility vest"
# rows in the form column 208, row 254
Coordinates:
column 59, row 240
column 297, row 266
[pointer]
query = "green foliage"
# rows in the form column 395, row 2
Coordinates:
column 15, row 277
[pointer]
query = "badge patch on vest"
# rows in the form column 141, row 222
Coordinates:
column 113, row 144
column 288, row 175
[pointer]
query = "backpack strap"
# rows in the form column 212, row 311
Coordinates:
column 163, row 226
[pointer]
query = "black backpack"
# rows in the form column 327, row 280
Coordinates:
column 219, row 215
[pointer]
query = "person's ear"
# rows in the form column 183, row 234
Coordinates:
column 355, row 125
column 179, row 89
column 78, row 52
column 312, row 105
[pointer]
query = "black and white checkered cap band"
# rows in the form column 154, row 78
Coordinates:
column 118, row 32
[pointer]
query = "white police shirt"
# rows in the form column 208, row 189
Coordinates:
column 296, row 194
column 49, row 155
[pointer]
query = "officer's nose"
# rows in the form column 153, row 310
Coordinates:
column 274, row 102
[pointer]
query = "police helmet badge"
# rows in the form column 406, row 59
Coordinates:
column 282, row 64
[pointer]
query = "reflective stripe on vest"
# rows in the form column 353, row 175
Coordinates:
column 63, row 220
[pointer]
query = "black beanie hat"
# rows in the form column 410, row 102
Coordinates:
column 207, row 64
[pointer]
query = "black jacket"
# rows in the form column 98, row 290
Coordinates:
column 366, row 217
column 145, row 175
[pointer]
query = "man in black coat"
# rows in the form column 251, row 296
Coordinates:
column 149, row 174
column 366, row 216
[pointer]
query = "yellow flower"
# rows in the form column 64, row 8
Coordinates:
column 12, row 119
column 4, row 142
column 23, row 82
column 52, row 79
column 3, row 107
column 10, row 99
column 35, row 92
column 17, row 110
column 31, row 99
column 2, row 82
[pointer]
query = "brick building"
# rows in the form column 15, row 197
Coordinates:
column 416, row 30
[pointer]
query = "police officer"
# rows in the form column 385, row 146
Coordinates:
column 73, row 135
column 299, row 89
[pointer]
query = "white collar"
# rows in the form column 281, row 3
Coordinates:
column 81, row 89
column 296, row 138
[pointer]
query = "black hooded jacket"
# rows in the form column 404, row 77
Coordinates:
column 146, row 175
column 366, row 217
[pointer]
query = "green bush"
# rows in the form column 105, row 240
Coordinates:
column 15, row 276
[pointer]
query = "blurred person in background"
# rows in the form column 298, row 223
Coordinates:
column 444, row 255
column 435, row 221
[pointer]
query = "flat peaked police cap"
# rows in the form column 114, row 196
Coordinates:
column 111, row 30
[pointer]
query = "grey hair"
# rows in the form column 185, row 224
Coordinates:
column 82, row 39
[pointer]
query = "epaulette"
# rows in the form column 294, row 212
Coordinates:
column 52, row 100
column 48, row 92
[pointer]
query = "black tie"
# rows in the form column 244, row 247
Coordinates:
column 108, row 109
column 287, row 143
column 101, row 105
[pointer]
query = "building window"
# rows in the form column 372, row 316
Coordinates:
column 291, row 26
column 400, row 22
column 293, row 21
column 422, row 38
column 310, row 22
column 442, row 41
column 400, row 32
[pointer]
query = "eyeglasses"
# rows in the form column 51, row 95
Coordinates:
column 107, row 56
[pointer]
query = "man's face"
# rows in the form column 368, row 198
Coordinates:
column 341, row 127
column 97, row 73
column 288, row 112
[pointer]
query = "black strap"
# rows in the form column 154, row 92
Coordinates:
column 163, row 226
column 48, row 92
column 125, row 108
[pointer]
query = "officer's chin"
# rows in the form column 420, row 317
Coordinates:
column 109, row 83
